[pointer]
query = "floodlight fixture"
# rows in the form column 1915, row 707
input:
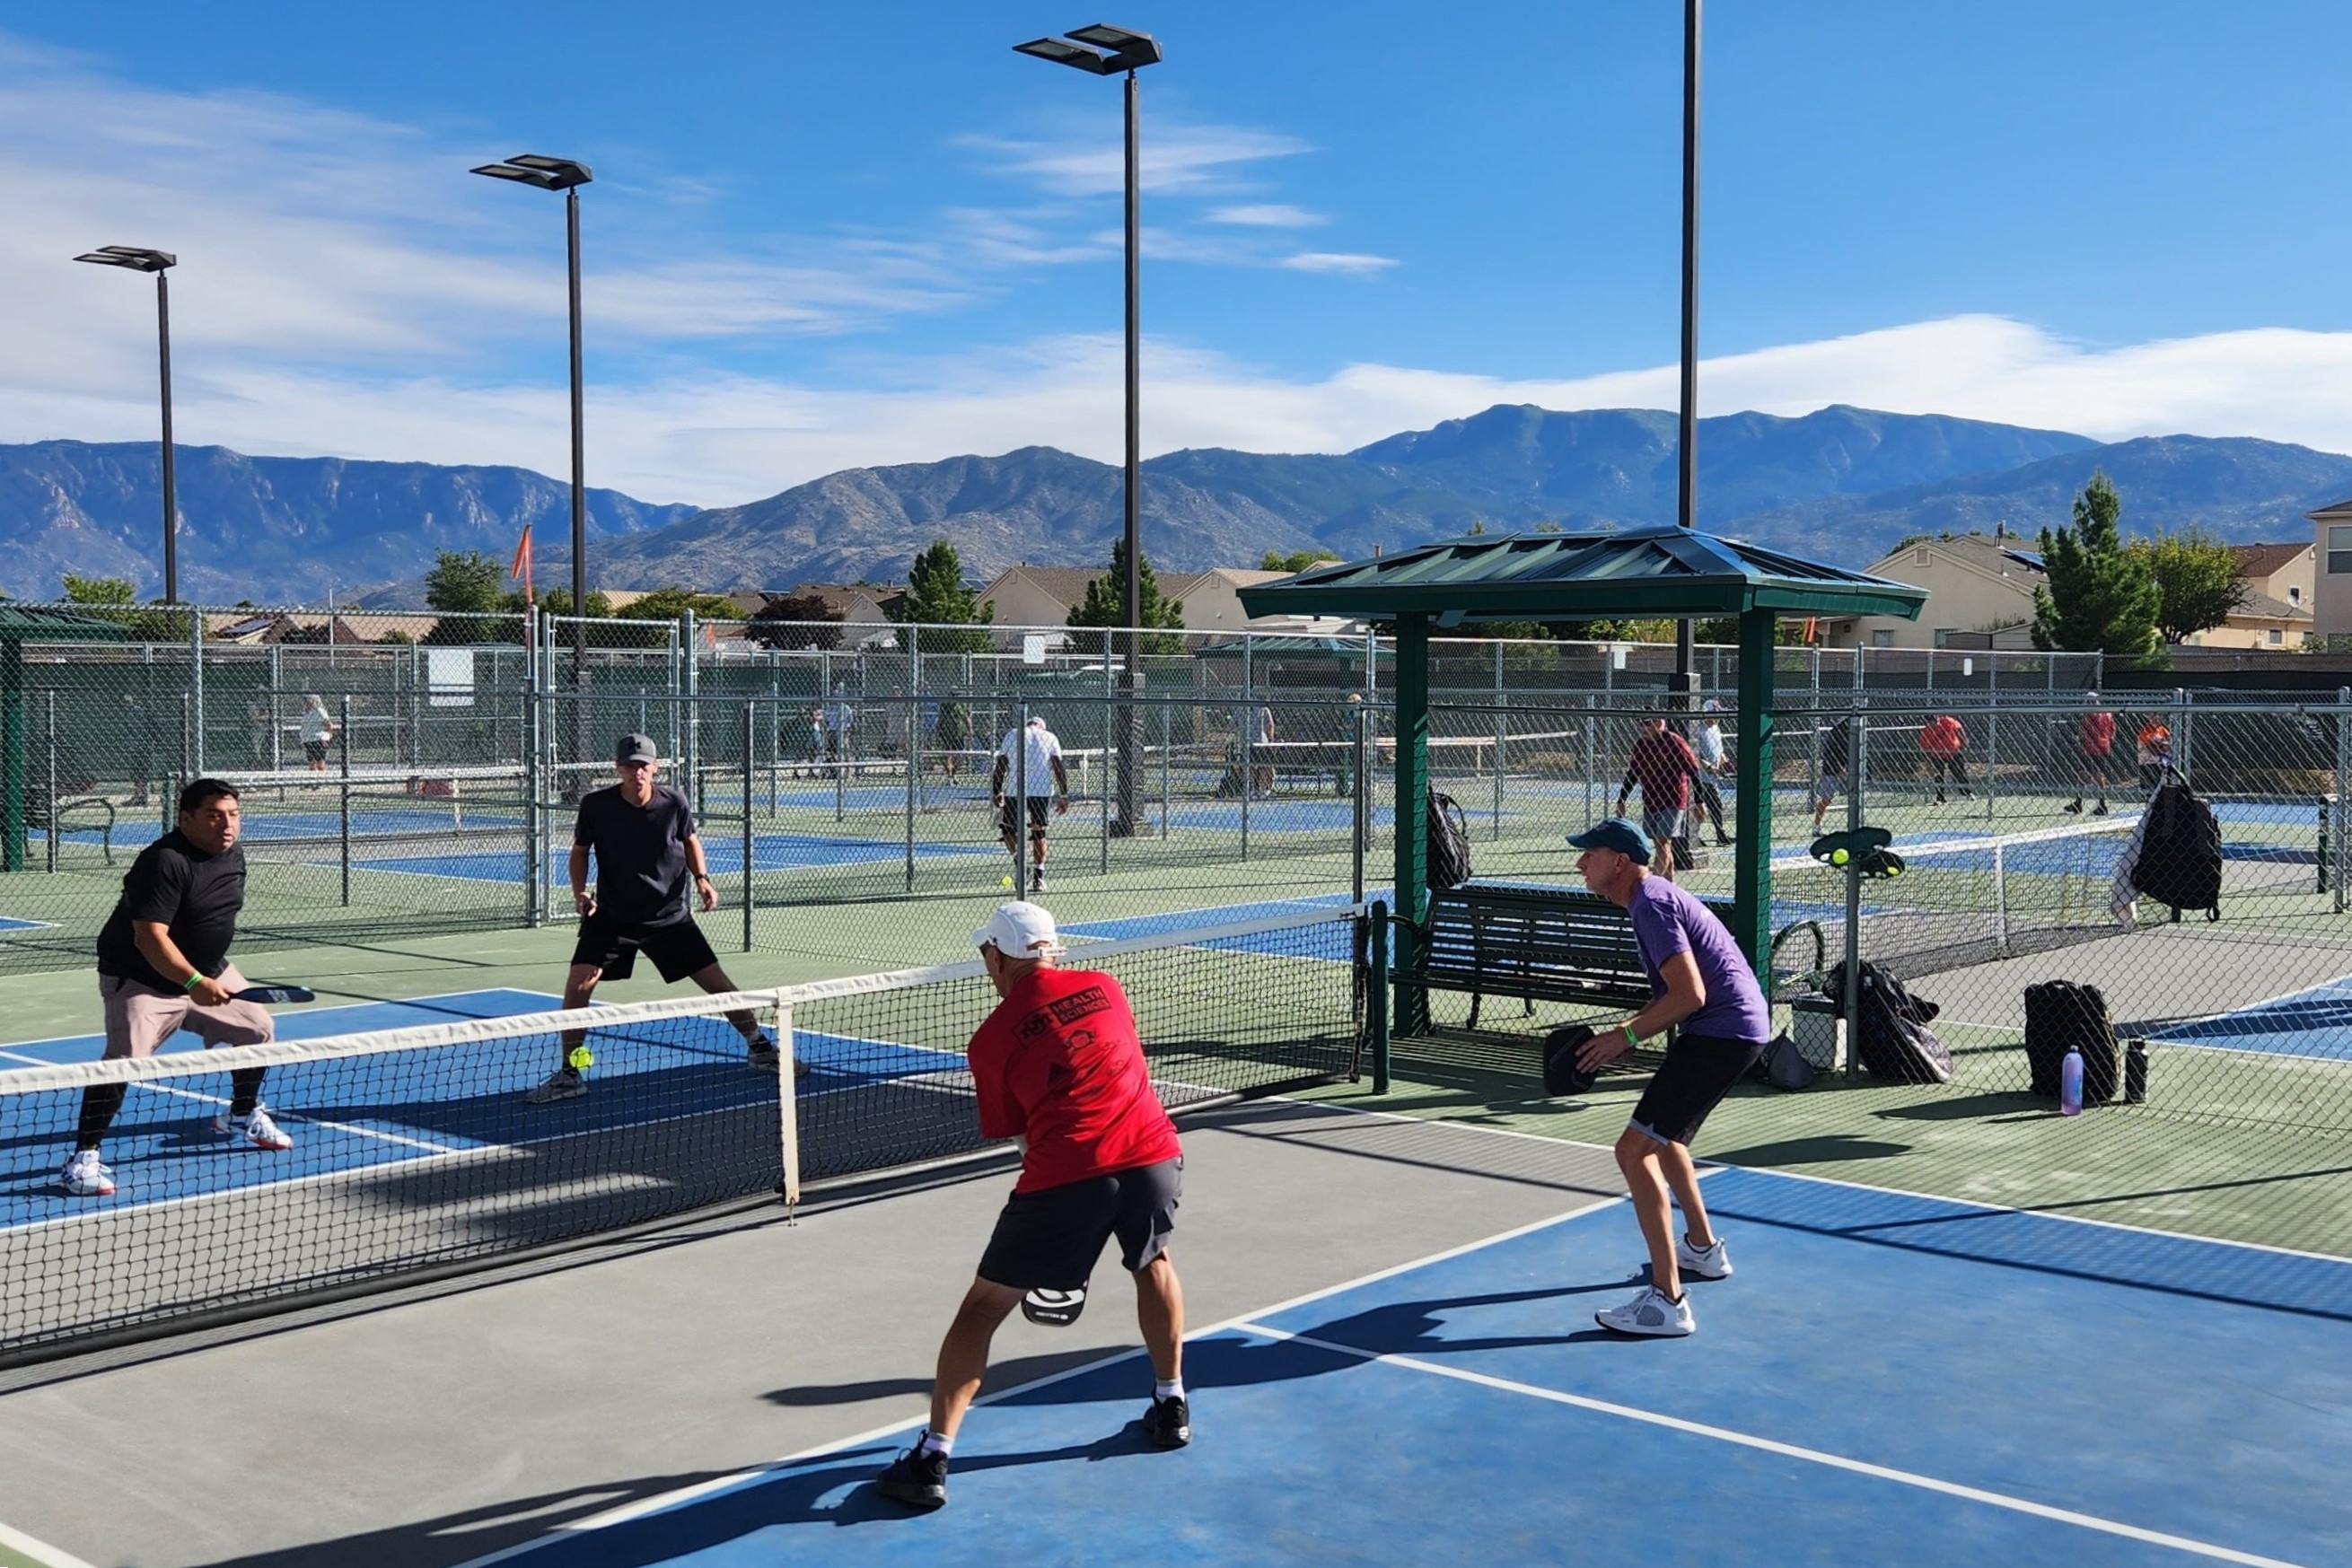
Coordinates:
column 138, row 258
column 538, row 169
column 1098, row 47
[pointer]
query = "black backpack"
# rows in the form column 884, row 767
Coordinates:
column 1894, row 1041
column 1449, row 842
column 2179, row 859
column 2060, row 1016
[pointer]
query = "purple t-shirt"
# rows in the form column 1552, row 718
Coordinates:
column 1668, row 920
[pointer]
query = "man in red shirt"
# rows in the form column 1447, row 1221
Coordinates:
column 1664, row 765
column 2095, row 737
column 1057, row 1068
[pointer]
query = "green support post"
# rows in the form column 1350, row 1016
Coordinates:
column 1411, row 832
column 1752, row 861
column 12, row 755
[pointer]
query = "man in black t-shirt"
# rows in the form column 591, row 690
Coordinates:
column 649, row 863
column 163, row 965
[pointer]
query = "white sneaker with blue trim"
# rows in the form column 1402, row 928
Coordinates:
column 1651, row 1312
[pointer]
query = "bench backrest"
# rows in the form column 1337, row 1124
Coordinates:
column 1530, row 934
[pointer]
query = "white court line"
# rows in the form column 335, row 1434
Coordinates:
column 639, row 1509
column 44, row 1555
column 1786, row 1450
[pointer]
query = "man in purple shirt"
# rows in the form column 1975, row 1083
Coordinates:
column 1700, row 981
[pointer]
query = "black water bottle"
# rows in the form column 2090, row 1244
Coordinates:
column 2134, row 1071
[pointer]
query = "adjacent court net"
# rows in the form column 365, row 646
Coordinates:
column 415, row 1150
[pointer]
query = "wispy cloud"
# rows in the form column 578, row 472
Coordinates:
column 1349, row 263
column 1268, row 216
column 1174, row 158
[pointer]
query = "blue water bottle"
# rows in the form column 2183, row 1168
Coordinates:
column 2070, row 1085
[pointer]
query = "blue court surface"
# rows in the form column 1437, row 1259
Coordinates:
column 2312, row 1024
column 10, row 923
column 1886, row 1379
column 402, row 1107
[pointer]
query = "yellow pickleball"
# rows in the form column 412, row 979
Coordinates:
column 1004, row 882
column 1839, row 857
column 580, row 1059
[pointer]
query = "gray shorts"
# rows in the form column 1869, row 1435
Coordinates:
column 1830, row 787
column 1660, row 826
column 1050, row 1239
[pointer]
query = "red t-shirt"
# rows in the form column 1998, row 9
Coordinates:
column 1662, row 765
column 1943, row 736
column 1058, row 1063
column 2098, row 733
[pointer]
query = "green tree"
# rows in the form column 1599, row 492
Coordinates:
column 651, row 619
column 2101, row 597
column 938, row 601
column 2199, row 580
column 796, row 621
column 466, row 586
column 1105, row 605
column 1297, row 560
column 115, row 598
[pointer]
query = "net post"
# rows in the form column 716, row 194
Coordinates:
column 344, row 789
column 788, row 1122
column 1377, row 1003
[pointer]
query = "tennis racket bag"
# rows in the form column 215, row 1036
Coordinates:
column 1449, row 842
column 2180, row 852
column 2062, row 1016
column 1894, row 1041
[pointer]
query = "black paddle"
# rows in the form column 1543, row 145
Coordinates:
column 277, row 995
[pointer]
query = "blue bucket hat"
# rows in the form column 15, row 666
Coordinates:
column 1614, row 833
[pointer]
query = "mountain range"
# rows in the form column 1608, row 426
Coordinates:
column 1841, row 484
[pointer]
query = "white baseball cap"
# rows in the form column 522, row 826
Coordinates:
column 1019, row 930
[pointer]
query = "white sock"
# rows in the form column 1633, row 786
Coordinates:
column 1168, row 1389
column 933, row 1443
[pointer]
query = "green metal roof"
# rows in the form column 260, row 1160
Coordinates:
column 1652, row 571
column 1286, row 647
column 29, row 623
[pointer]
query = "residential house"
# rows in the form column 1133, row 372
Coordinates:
column 2276, row 612
column 2331, row 599
column 1029, row 595
column 1980, row 595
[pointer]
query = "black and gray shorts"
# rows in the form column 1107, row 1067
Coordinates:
column 678, row 948
column 1008, row 816
column 1049, row 1239
column 1698, row 1072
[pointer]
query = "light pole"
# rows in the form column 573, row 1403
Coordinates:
column 565, row 175
column 1686, row 510
column 158, row 261
column 1104, row 50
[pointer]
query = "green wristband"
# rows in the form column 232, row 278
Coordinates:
column 193, row 981
column 1633, row 1040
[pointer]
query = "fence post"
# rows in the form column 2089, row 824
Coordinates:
column 1361, row 741
column 197, row 686
column 277, row 685
column 49, row 722
column 1376, row 1002
column 2343, row 773
column 914, row 774
column 1857, row 768
column 1020, row 816
column 1501, row 726
column 750, row 843
column 343, row 792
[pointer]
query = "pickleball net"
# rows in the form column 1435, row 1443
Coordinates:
column 417, row 1155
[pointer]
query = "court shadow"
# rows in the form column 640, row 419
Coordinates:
column 2006, row 1107
column 1826, row 1147
column 1002, row 1374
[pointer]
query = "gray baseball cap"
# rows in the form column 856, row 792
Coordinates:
column 636, row 748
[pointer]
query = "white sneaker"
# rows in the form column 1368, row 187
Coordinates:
column 86, row 1176
column 257, row 1130
column 1703, row 1262
column 1649, row 1314
column 564, row 1083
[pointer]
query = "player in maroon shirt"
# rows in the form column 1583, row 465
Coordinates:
column 1057, row 1068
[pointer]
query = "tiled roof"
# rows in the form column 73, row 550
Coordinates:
column 2261, row 559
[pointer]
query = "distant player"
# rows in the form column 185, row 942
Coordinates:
column 1837, row 757
column 1944, row 743
column 648, row 861
column 316, row 731
column 2155, row 753
column 1057, row 1068
column 1049, row 788
column 162, row 966
column 2095, row 744
column 1701, row 985
column 1664, row 765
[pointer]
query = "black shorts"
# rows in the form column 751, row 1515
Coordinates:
column 1041, row 807
column 678, row 949
column 314, row 750
column 1049, row 1239
column 1698, row 1072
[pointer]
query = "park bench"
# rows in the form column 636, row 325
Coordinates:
column 1537, row 944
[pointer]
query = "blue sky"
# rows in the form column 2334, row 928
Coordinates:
column 813, row 243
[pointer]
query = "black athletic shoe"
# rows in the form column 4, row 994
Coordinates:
column 916, row 1478
column 2100, row 810
column 2074, row 806
column 1169, row 1422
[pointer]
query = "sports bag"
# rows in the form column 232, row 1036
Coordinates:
column 2060, row 1016
column 1894, row 1041
column 1449, row 842
column 2180, row 852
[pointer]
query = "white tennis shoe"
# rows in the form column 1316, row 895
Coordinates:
column 1702, row 1263
column 257, row 1131
column 86, row 1176
column 1649, row 1314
